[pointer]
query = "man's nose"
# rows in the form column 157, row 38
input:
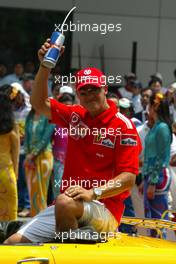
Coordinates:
column 90, row 96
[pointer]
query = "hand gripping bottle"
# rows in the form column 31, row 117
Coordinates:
column 57, row 40
column 51, row 57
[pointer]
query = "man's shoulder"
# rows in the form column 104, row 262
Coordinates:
column 123, row 122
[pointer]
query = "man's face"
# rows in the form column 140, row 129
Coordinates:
column 156, row 86
column 145, row 97
column 92, row 98
column 135, row 90
column 28, row 85
column 18, row 69
column 129, row 84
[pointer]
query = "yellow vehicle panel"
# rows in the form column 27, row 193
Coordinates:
column 123, row 250
column 14, row 254
column 126, row 250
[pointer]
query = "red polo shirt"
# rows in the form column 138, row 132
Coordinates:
column 98, row 150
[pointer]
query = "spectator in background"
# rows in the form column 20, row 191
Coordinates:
column 172, row 171
column 66, row 90
column 155, row 86
column 60, row 140
column 137, row 197
column 55, row 90
column 156, row 159
column 21, row 108
column 171, row 97
column 146, row 93
column 125, row 107
column 156, row 83
column 29, row 67
column 136, row 87
column 3, row 71
column 125, row 92
column 113, row 97
column 26, row 96
column 28, row 82
column 39, row 159
column 15, row 76
column 127, row 110
column 9, row 155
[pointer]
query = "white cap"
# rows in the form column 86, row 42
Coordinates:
column 173, row 86
column 66, row 89
column 124, row 103
column 20, row 88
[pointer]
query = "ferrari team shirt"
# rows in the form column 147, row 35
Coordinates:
column 99, row 149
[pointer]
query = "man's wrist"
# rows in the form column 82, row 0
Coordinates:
column 44, row 67
column 97, row 192
column 93, row 195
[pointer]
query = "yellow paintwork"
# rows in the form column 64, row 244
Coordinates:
column 123, row 250
column 12, row 254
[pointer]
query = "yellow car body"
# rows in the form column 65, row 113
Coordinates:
column 122, row 249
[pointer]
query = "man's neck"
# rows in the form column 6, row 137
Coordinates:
column 96, row 113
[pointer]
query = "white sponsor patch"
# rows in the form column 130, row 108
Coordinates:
column 128, row 140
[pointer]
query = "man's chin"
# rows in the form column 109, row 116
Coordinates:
column 91, row 108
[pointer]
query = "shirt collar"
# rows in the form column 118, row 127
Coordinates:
column 104, row 117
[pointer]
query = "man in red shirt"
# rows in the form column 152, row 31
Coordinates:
column 101, row 161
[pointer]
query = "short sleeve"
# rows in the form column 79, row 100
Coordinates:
column 60, row 113
column 128, row 149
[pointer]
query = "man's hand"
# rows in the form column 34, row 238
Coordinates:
column 77, row 193
column 151, row 192
column 44, row 48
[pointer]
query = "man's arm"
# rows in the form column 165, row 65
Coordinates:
column 39, row 96
column 121, row 183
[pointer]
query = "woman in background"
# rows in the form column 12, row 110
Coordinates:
column 156, row 159
column 60, row 141
column 9, row 157
column 39, row 159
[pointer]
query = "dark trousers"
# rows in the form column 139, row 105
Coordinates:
column 23, row 196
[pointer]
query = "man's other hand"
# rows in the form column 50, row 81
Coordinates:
column 79, row 193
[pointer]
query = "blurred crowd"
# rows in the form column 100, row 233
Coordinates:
column 32, row 152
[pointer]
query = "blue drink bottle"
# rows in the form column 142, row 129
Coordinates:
column 51, row 57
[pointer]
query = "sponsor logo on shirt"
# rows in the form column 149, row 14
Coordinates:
column 88, row 71
column 77, row 127
column 128, row 140
column 75, row 119
column 109, row 141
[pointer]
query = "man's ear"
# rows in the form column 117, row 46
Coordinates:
column 106, row 89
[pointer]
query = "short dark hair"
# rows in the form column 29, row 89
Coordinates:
column 66, row 97
column 111, row 95
column 154, row 81
column 146, row 89
column 6, row 89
